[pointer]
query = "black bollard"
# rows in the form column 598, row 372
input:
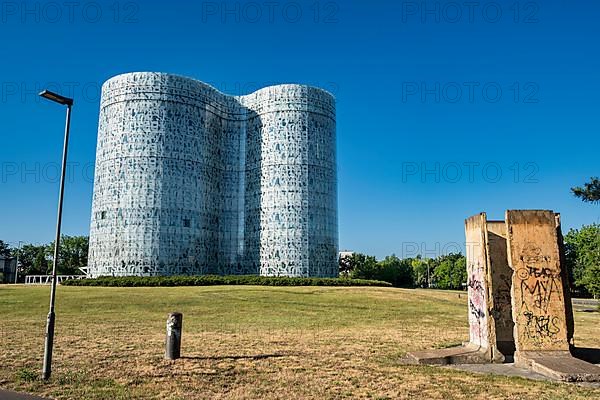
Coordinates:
column 173, row 343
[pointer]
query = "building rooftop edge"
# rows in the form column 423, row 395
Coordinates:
column 115, row 77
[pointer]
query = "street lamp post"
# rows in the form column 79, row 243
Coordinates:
column 49, row 342
column 17, row 266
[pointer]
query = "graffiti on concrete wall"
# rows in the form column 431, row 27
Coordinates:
column 539, row 291
column 502, row 310
column 478, row 331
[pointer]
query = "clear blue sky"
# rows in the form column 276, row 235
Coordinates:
column 432, row 104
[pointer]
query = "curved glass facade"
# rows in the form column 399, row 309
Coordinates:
column 192, row 181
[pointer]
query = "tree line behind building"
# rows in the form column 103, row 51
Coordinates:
column 582, row 248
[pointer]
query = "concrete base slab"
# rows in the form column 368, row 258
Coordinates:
column 468, row 354
column 506, row 369
column 510, row 369
column 559, row 365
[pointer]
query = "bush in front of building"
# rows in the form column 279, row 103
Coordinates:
column 211, row 280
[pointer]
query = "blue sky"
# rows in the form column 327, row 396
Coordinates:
column 443, row 110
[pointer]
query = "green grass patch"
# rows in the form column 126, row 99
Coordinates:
column 211, row 280
column 252, row 342
column 26, row 375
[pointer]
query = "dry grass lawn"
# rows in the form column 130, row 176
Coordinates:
column 249, row 342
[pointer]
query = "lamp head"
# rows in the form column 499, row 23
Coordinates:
column 57, row 98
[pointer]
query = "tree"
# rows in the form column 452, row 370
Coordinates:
column 391, row 269
column 364, row 266
column 33, row 260
column 4, row 249
column 396, row 271
column 591, row 280
column 345, row 265
column 442, row 275
column 420, row 269
column 73, row 254
column 590, row 192
column 582, row 256
column 459, row 273
column 451, row 271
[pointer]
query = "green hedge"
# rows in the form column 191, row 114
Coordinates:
column 208, row 280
